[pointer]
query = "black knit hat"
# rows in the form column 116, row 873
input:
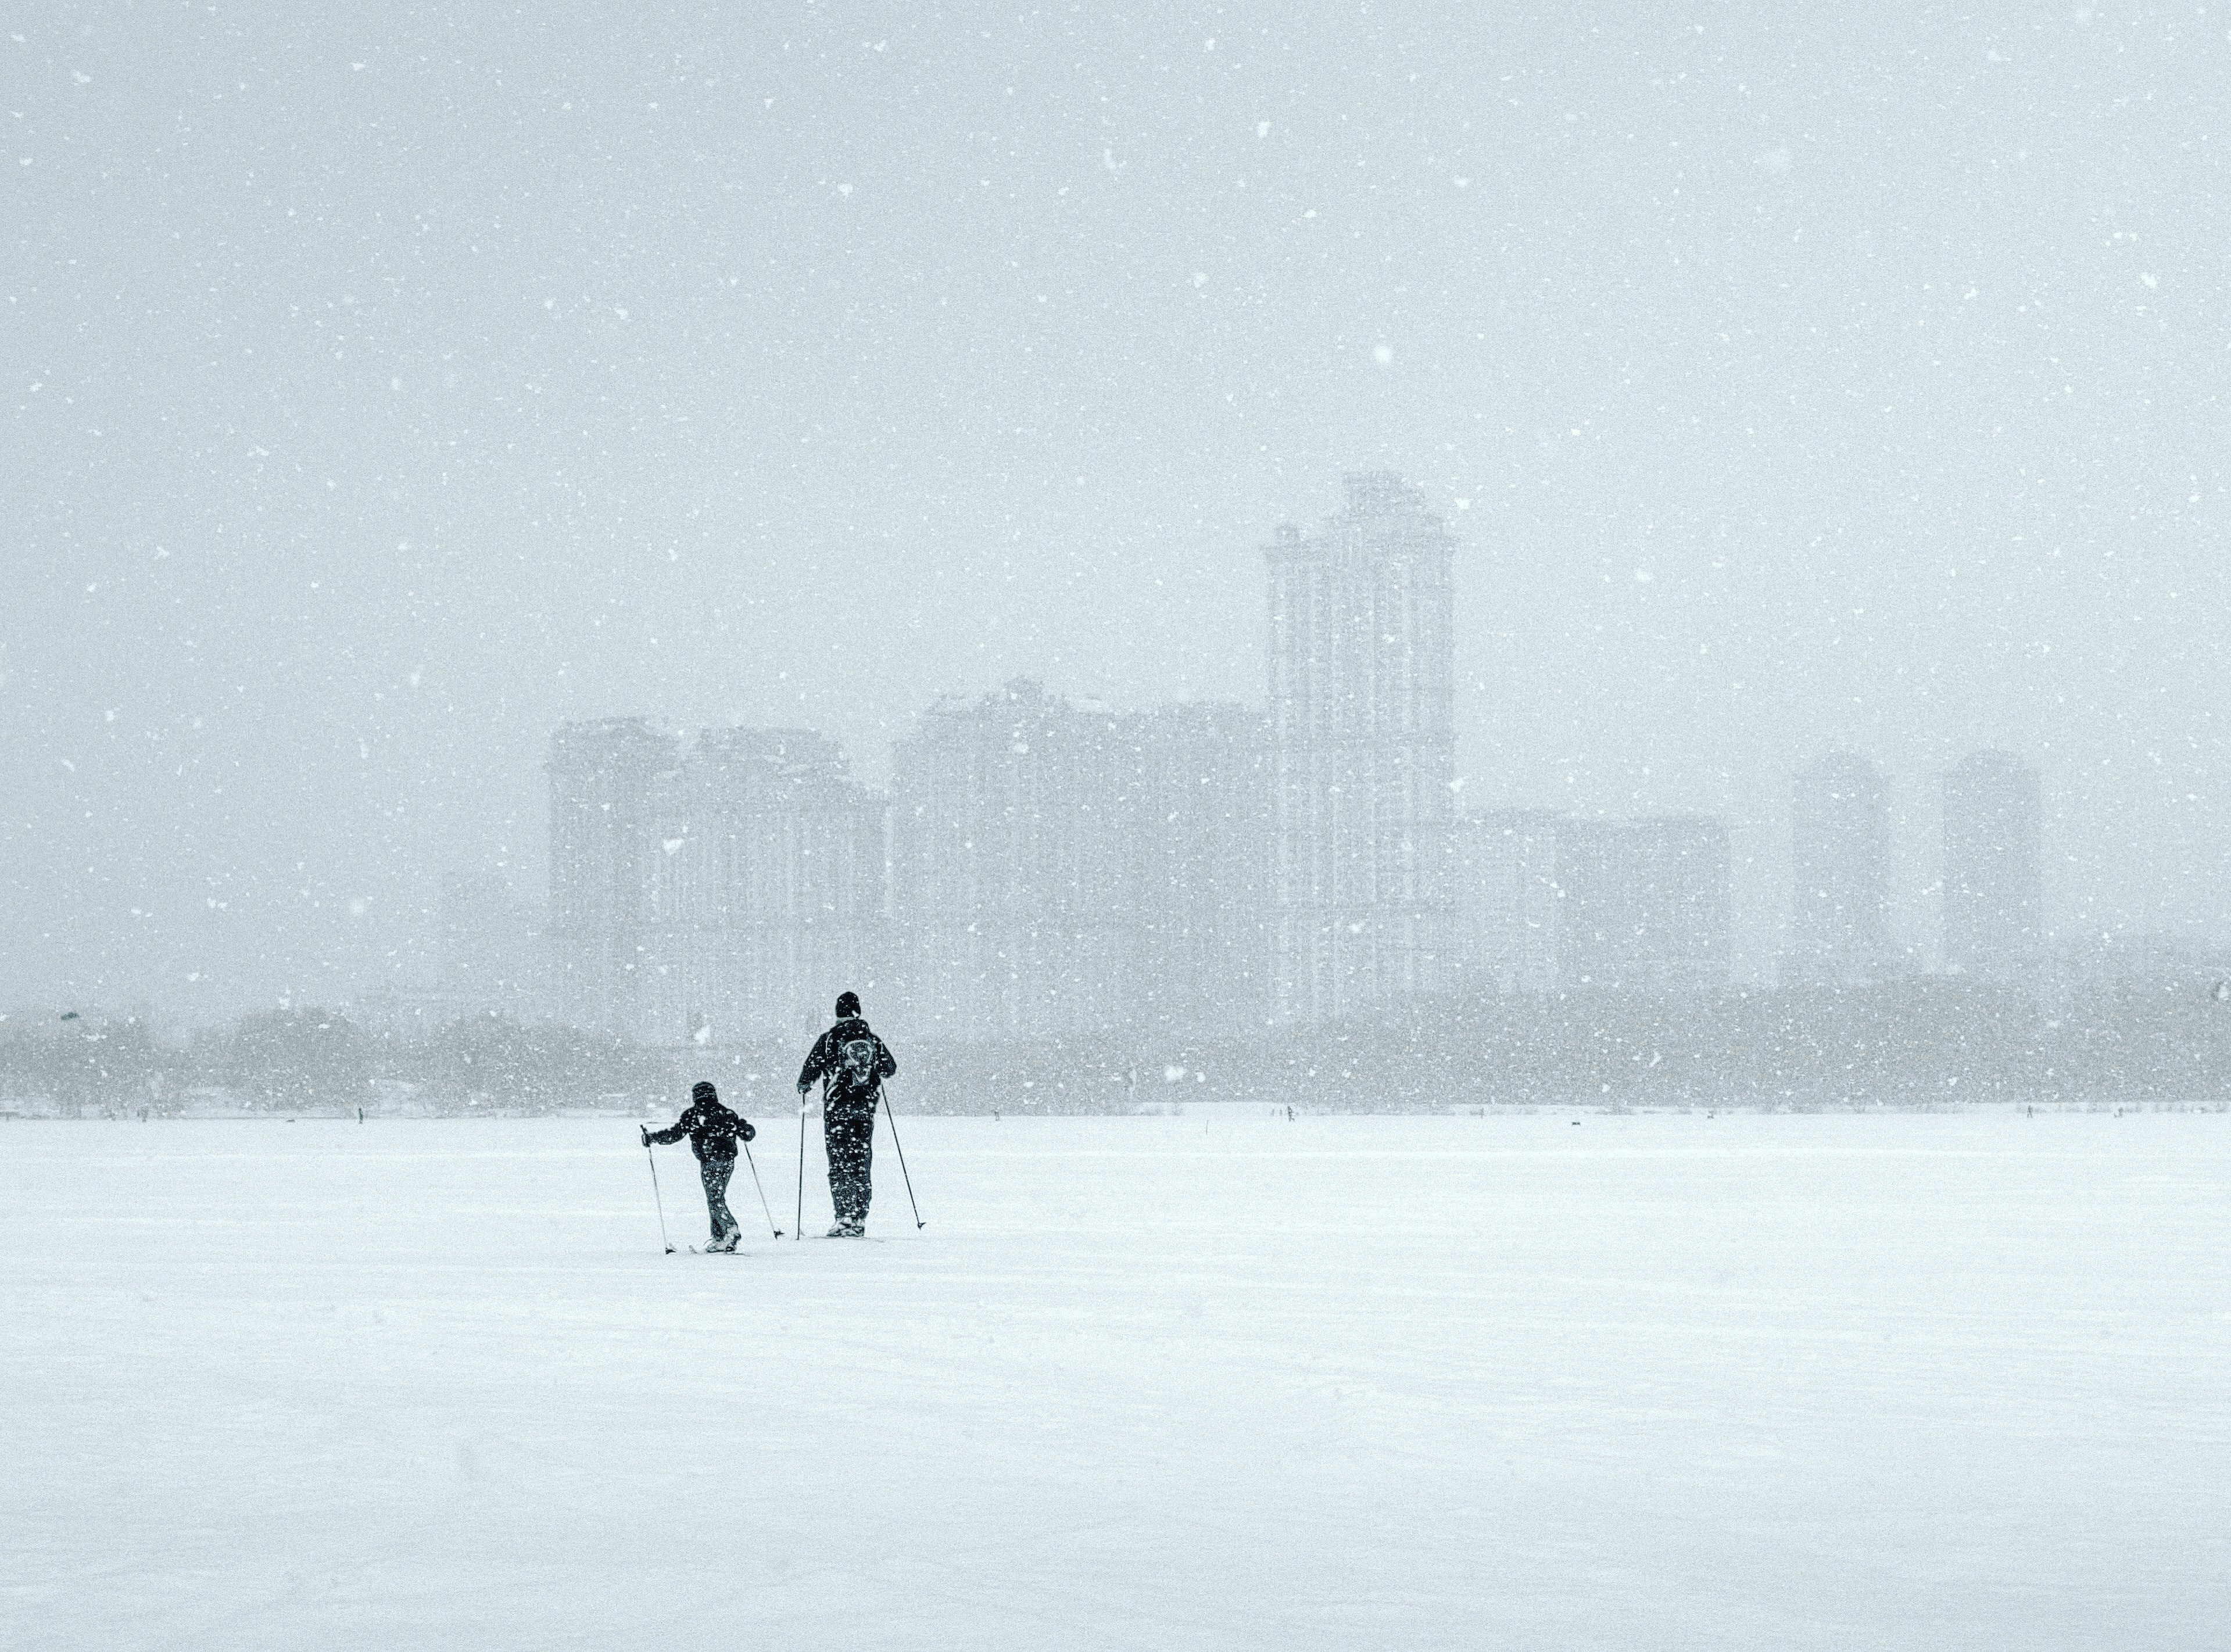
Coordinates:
column 848, row 1004
column 702, row 1090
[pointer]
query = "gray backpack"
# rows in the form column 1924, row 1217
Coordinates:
column 855, row 1065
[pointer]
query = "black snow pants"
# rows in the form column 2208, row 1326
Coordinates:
column 715, row 1173
column 849, row 1133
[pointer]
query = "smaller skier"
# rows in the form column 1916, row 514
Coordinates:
column 713, row 1132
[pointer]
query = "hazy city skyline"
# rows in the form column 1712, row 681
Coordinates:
column 1260, row 827
column 1792, row 383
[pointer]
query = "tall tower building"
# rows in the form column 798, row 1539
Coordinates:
column 1839, row 845
column 1994, row 867
column 1362, row 740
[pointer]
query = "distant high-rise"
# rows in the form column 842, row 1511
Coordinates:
column 1362, row 694
column 1508, row 904
column 1010, row 868
column 1682, row 882
column 1199, row 833
column 1597, row 917
column 1058, row 868
column 1994, row 867
column 602, row 778
column 1647, row 903
column 1839, row 843
column 770, row 876
column 715, row 896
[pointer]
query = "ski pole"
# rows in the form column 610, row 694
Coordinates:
column 656, row 1197
column 798, row 1231
column 891, row 1115
column 754, row 1162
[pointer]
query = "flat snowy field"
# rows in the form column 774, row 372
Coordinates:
column 1745, row 1382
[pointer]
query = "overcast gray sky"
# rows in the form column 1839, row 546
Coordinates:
column 381, row 385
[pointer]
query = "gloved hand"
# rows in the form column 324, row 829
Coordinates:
column 644, row 1130
column 750, row 1134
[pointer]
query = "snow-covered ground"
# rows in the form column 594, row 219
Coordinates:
column 1747, row 1382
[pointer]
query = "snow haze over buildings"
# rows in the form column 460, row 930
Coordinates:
column 1840, row 874
column 380, row 394
column 1993, row 921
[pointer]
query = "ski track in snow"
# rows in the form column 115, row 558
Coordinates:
column 1942, row 1381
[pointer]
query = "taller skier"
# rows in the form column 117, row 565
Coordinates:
column 855, row 1063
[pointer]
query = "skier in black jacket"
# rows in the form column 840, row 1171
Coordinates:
column 854, row 1063
column 713, row 1132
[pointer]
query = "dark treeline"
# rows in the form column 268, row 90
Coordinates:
column 314, row 1061
column 1925, row 1041
column 1929, row 1041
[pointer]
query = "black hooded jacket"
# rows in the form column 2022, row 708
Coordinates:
column 854, row 1060
column 712, row 1129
